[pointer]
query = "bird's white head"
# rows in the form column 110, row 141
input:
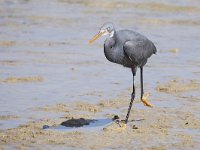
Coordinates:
column 106, row 29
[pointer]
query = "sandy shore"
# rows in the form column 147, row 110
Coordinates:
column 156, row 128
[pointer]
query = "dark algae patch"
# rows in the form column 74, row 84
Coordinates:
column 77, row 122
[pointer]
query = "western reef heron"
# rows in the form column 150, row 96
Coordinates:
column 130, row 49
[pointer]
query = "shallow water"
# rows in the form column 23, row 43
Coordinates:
column 49, row 40
column 96, row 125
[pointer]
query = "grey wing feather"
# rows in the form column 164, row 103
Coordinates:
column 139, row 51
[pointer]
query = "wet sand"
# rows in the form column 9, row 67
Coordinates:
column 49, row 74
column 149, row 128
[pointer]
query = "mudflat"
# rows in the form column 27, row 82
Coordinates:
column 49, row 74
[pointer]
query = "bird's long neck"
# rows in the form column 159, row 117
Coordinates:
column 112, row 34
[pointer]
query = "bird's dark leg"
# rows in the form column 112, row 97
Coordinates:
column 141, row 81
column 132, row 96
column 143, row 98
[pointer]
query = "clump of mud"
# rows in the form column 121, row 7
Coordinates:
column 10, row 62
column 22, row 79
column 83, row 106
column 177, row 85
column 8, row 117
column 7, row 43
column 55, row 108
column 174, row 50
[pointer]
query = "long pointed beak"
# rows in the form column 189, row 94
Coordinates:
column 98, row 35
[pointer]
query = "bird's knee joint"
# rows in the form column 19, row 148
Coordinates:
column 133, row 96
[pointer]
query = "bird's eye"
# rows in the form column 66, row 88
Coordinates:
column 111, row 47
column 108, row 28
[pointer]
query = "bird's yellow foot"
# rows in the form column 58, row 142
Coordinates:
column 145, row 101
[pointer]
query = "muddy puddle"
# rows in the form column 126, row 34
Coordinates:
column 81, row 125
column 49, row 74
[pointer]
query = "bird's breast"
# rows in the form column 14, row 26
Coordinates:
column 116, row 54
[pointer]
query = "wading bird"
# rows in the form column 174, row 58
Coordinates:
column 130, row 49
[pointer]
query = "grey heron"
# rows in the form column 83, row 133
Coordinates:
column 130, row 49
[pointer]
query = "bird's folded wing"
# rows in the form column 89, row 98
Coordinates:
column 139, row 51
